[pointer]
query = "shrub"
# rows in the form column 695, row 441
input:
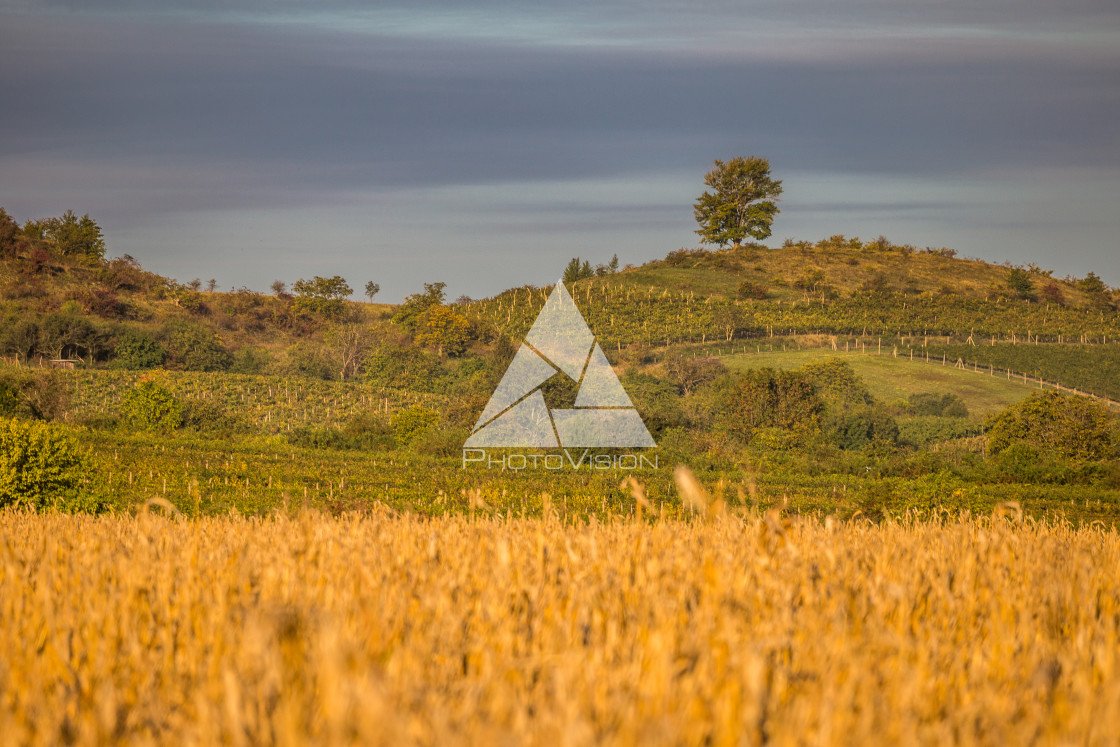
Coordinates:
column 442, row 441
column 657, row 401
column 682, row 256
column 940, row 405
column 877, row 285
column 1092, row 284
column 69, row 336
column 150, row 406
column 415, row 304
column 9, row 399
column 1019, row 281
column 1021, row 462
column 576, row 271
column 924, row 431
column 749, row 290
column 811, row 281
column 1053, row 294
column 105, row 303
column 767, row 397
column 860, row 427
column 135, row 351
column 41, row 468
column 836, row 382
column 194, row 348
column 208, row 416
column 413, row 422
column 1072, row 427
column 38, row 394
column 251, row 361
column 395, row 367
column 321, row 296
column 308, row 362
column 689, row 373
column 20, row 338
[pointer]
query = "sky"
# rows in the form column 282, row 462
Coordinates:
column 485, row 144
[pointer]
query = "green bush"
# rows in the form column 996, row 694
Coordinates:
column 657, row 401
column 71, row 336
column 251, row 361
column 308, row 362
column 442, row 441
column 413, row 423
column 769, row 398
column 135, row 351
column 41, row 394
column 861, row 427
column 1021, row 462
column 365, row 432
column 941, row 405
column 321, row 296
column 415, row 304
column 749, row 290
column 150, row 406
column 925, row 430
column 9, row 399
column 393, row 367
column 1076, row 428
column 194, row 348
column 207, row 416
column 41, row 469
column 836, row 382
column 1019, row 281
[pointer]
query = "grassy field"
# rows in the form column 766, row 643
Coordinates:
column 381, row 629
column 895, row 378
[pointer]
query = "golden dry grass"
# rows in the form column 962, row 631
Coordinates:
column 380, row 629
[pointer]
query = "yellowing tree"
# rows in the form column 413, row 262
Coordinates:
column 445, row 329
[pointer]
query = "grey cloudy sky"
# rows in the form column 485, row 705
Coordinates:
column 485, row 145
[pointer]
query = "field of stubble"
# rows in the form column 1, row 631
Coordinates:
column 382, row 629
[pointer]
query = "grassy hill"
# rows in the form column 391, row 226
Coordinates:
column 288, row 401
column 846, row 267
column 833, row 287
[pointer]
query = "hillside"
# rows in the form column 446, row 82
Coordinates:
column 829, row 288
column 239, row 400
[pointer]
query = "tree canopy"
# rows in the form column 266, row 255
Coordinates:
column 415, row 304
column 576, row 270
column 65, row 236
column 742, row 203
column 321, row 295
column 76, row 237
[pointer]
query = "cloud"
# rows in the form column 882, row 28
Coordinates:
column 508, row 119
column 307, row 111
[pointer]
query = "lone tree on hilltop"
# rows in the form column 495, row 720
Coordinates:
column 742, row 204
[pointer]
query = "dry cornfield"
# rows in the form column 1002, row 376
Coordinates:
column 382, row 629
